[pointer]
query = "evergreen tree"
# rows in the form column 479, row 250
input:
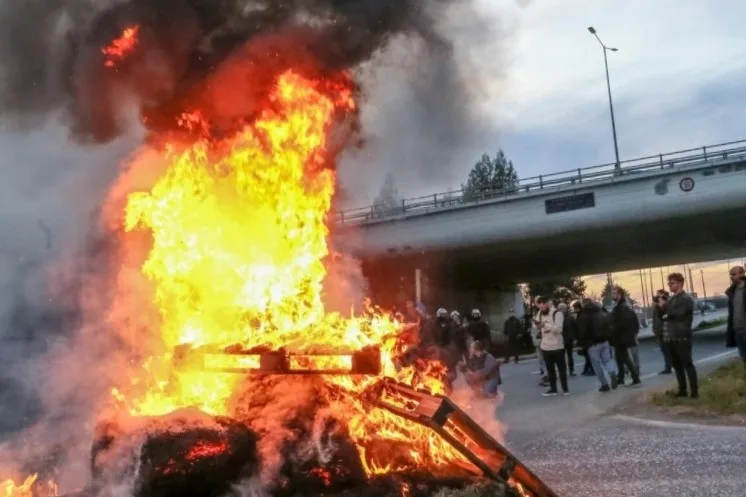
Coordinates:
column 606, row 295
column 490, row 175
column 562, row 289
column 387, row 201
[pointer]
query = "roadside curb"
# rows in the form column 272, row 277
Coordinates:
column 676, row 424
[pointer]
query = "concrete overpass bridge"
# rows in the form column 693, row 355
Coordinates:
column 683, row 206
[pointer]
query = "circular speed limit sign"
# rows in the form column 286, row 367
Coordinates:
column 686, row 184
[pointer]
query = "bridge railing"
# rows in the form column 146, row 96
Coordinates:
column 551, row 181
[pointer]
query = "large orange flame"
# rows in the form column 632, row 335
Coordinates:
column 239, row 238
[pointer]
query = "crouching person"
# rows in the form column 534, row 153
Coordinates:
column 482, row 370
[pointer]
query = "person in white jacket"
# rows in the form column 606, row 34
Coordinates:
column 549, row 322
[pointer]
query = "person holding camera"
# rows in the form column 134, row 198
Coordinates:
column 659, row 299
column 678, row 314
column 736, row 332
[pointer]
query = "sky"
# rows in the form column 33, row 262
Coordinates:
column 707, row 279
column 676, row 79
column 677, row 82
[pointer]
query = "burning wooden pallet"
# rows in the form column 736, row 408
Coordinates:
column 436, row 412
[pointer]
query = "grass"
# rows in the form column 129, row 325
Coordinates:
column 722, row 393
column 712, row 323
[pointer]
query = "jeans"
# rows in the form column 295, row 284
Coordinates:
column 624, row 361
column 542, row 363
column 555, row 360
column 666, row 359
column 570, row 358
column 680, row 352
column 489, row 387
column 602, row 360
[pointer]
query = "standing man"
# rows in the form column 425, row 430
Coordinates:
column 678, row 314
column 736, row 332
column 512, row 330
column 577, row 309
column 594, row 330
column 569, row 333
column 548, row 322
column 661, row 296
column 626, row 326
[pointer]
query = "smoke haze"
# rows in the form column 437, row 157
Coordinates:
column 67, row 126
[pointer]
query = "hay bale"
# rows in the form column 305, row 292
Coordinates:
column 183, row 454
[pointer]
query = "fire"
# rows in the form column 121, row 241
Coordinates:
column 239, row 238
column 30, row 487
column 121, row 46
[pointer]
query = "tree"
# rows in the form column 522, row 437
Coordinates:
column 564, row 289
column 490, row 175
column 387, row 200
column 606, row 295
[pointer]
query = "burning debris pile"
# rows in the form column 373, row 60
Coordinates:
column 222, row 218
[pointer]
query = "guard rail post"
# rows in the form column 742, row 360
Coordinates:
column 704, row 152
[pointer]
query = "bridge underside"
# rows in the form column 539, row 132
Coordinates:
column 676, row 241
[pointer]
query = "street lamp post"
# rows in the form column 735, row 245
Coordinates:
column 592, row 30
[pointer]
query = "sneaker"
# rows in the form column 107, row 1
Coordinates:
column 614, row 383
column 604, row 388
column 550, row 393
column 565, row 393
column 572, row 373
column 681, row 394
column 635, row 383
column 588, row 373
column 665, row 371
column 695, row 395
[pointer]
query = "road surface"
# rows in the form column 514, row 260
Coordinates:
column 581, row 449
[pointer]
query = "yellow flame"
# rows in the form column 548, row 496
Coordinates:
column 239, row 238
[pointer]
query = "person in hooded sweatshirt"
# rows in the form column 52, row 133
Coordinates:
column 549, row 323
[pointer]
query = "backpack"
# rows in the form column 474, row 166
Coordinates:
column 567, row 324
column 603, row 326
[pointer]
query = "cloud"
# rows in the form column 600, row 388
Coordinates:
column 675, row 80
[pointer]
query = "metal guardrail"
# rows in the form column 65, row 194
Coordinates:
column 594, row 174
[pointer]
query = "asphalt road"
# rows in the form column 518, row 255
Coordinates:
column 580, row 449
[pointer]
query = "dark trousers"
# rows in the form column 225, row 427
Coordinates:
column 624, row 360
column 570, row 358
column 512, row 349
column 680, row 354
column 587, row 367
column 666, row 358
column 555, row 360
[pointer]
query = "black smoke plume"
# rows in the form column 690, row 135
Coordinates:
column 52, row 52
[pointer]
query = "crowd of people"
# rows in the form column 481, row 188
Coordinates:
column 606, row 339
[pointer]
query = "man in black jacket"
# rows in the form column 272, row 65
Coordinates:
column 626, row 326
column 736, row 332
column 569, row 334
column 594, row 330
column 512, row 330
column 660, row 297
column 678, row 314
column 479, row 330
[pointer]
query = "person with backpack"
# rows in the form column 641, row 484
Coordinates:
column 569, row 333
column 626, row 327
column 594, row 332
column 548, row 322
